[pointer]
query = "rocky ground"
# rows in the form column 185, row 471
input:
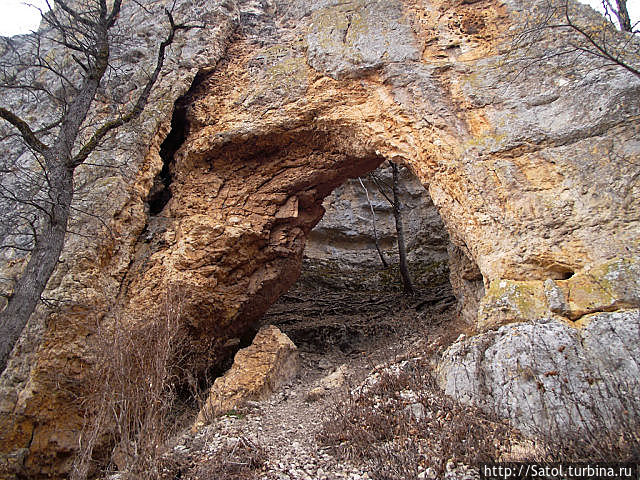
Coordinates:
column 348, row 341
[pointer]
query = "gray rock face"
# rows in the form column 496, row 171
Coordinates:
column 347, row 39
column 549, row 377
column 467, row 283
column 344, row 239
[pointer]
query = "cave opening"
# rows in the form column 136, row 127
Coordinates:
column 346, row 300
column 160, row 193
column 278, row 229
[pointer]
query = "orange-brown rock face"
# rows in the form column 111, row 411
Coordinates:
column 533, row 175
column 42, row 388
column 258, row 371
column 231, row 238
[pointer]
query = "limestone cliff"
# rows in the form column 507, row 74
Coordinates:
column 39, row 418
column 534, row 176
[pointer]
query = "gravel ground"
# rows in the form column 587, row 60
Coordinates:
column 276, row 439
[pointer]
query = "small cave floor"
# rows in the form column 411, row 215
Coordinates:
column 334, row 322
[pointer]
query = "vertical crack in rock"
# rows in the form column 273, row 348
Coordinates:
column 160, row 193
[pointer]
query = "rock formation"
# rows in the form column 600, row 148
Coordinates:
column 340, row 251
column 257, row 371
column 534, row 176
column 551, row 378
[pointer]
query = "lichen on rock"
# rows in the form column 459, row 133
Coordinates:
column 349, row 39
column 607, row 287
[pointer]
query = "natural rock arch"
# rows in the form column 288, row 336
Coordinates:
column 233, row 233
column 281, row 120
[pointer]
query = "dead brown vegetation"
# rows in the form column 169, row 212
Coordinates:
column 131, row 410
column 404, row 424
column 239, row 460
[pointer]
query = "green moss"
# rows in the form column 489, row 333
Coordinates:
column 430, row 274
column 235, row 414
column 512, row 301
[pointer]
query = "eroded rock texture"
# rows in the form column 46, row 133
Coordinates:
column 550, row 378
column 534, row 176
column 341, row 250
column 40, row 415
column 257, row 371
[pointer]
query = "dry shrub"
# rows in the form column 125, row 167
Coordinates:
column 376, row 426
column 608, row 433
column 617, row 446
column 129, row 411
column 239, row 459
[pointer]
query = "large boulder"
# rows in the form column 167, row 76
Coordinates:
column 257, row 371
column 551, row 378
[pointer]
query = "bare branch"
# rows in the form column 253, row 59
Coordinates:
column 115, row 11
column 601, row 47
column 25, row 131
column 99, row 135
column 74, row 14
column 385, row 264
column 14, row 247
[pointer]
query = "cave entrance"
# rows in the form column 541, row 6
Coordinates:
column 245, row 214
column 346, row 300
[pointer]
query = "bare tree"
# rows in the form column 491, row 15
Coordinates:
column 376, row 240
column 402, row 246
column 621, row 12
column 396, row 204
column 39, row 181
column 613, row 38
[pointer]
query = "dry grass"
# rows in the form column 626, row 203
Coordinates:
column 377, row 427
column 134, row 410
column 130, row 412
column 609, row 434
column 238, row 460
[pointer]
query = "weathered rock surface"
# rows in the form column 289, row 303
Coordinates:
column 325, row 385
column 534, row 177
column 257, row 371
column 467, row 283
column 550, row 377
column 341, row 248
column 611, row 286
column 355, row 37
column 40, row 420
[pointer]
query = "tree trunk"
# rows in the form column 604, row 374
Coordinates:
column 375, row 229
column 623, row 16
column 42, row 262
column 402, row 249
